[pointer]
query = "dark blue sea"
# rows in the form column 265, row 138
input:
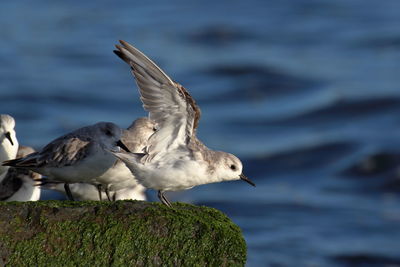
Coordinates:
column 306, row 93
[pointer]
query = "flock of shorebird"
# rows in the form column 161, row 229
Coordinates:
column 105, row 162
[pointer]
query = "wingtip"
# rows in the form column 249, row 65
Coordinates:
column 7, row 163
column 121, row 54
column 132, row 49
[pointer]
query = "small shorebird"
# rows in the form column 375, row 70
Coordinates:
column 18, row 184
column 8, row 139
column 80, row 156
column 84, row 191
column 120, row 180
column 174, row 159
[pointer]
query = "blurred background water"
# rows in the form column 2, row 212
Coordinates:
column 306, row 93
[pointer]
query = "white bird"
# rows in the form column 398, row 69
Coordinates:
column 80, row 156
column 174, row 158
column 18, row 184
column 120, row 180
column 9, row 142
column 84, row 191
column 135, row 139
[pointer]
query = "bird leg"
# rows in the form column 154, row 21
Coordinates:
column 99, row 191
column 68, row 191
column 163, row 199
column 107, row 193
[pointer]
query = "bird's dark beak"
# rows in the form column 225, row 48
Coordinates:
column 121, row 145
column 244, row 178
column 8, row 135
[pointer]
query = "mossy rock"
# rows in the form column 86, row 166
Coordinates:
column 121, row 233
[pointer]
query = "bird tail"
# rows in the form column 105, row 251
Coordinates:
column 128, row 157
column 131, row 160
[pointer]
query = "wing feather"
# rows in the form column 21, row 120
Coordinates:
column 63, row 151
column 169, row 104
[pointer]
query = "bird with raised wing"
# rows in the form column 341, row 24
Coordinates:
column 174, row 159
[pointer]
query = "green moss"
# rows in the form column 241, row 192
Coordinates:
column 122, row 233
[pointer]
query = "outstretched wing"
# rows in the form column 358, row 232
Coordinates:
column 169, row 104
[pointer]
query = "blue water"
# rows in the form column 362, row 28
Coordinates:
column 306, row 93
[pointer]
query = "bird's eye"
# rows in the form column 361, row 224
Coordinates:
column 154, row 129
column 108, row 133
column 233, row 167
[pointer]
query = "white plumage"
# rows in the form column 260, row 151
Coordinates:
column 174, row 158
